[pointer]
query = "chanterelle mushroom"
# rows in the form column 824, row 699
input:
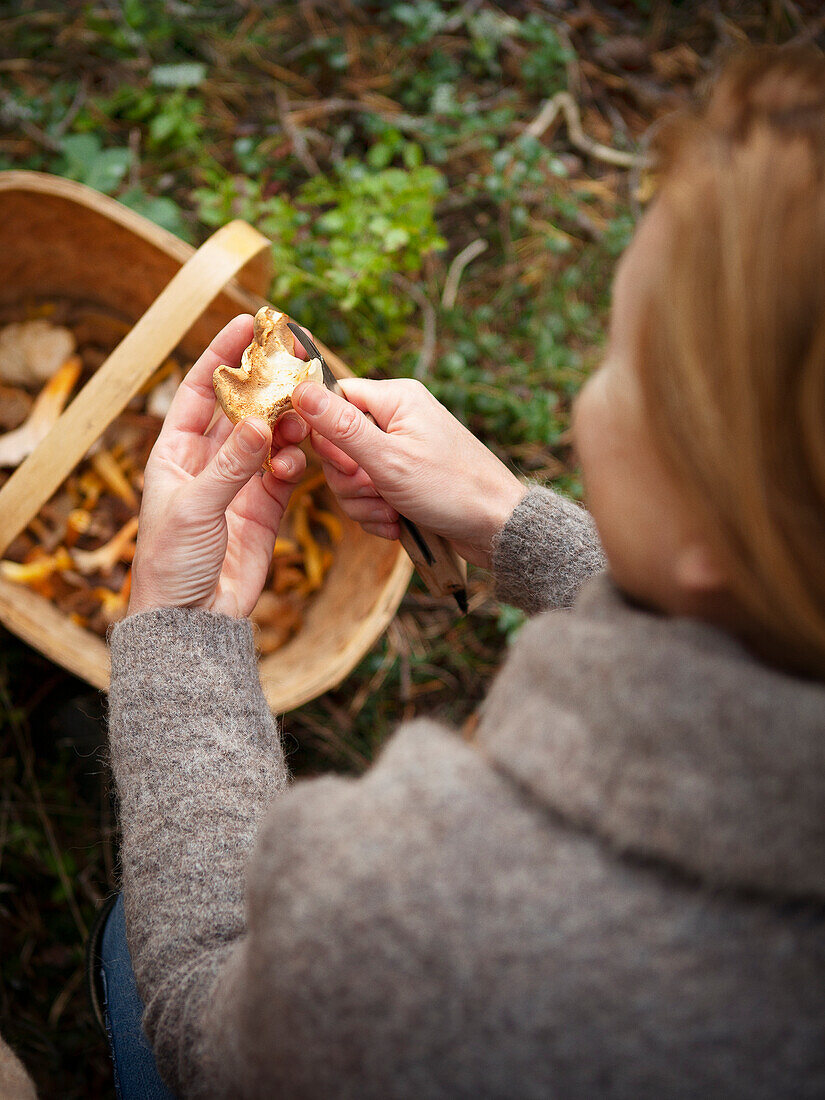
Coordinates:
column 263, row 384
column 47, row 407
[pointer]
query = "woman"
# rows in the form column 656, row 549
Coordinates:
column 618, row 889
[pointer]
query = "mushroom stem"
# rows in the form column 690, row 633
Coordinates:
column 108, row 468
column 32, row 572
column 103, row 560
column 47, row 407
column 113, row 604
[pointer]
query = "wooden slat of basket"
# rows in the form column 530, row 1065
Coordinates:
column 130, row 365
column 33, row 617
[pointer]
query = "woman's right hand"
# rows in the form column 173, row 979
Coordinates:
column 416, row 460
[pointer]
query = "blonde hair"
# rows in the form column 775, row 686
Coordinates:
column 732, row 355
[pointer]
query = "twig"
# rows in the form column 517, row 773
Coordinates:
column 64, row 996
column 563, row 102
column 456, row 270
column 793, row 14
column 11, row 115
column 574, row 76
column 286, row 76
column 134, row 149
column 371, row 686
column 73, row 109
column 427, row 353
column 299, row 145
column 809, row 32
column 329, row 740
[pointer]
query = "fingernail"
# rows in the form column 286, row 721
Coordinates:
column 292, row 427
column 283, row 467
column 314, row 399
column 250, row 437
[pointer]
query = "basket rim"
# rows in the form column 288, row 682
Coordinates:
column 45, row 183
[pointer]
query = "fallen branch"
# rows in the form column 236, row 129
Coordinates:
column 293, row 132
column 563, row 102
column 456, row 270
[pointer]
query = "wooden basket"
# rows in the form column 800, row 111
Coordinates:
column 63, row 240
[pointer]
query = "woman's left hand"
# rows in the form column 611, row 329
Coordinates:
column 209, row 519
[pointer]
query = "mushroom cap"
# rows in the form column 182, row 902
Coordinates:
column 32, row 351
column 264, row 382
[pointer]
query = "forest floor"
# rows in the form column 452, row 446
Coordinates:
column 447, row 186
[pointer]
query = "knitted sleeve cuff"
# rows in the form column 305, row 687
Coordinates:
column 180, row 635
column 186, row 669
column 545, row 552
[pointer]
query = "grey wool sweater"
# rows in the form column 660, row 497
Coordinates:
column 618, row 890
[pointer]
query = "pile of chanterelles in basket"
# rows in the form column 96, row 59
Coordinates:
column 78, row 549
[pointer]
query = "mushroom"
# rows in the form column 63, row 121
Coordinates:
column 47, row 407
column 159, row 400
column 263, row 384
column 38, row 569
column 113, row 604
column 31, row 351
column 106, row 557
column 276, row 619
column 87, row 489
column 78, row 522
column 109, row 470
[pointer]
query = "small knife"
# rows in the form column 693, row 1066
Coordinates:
column 438, row 565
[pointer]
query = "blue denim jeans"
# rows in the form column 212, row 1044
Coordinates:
column 136, row 1075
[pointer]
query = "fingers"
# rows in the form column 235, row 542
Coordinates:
column 360, row 501
column 264, row 499
column 299, row 351
column 333, row 456
column 385, row 398
column 289, row 429
column 391, row 531
column 289, row 465
column 370, row 510
column 339, row 421
column 193, row 404
column 345, row 486
column 238, row 459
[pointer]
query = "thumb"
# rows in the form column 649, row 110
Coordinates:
column 238, row 460
column 339, row 421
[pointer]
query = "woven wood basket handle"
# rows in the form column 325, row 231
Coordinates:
column 118, row 379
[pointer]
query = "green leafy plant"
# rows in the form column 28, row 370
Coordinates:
column 160, row 209
column 84, row 159
column 544, row 69
column 337, row 244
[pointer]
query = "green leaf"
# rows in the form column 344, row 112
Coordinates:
column 163, row 126
column 159, row 209
column 108, row 169
column 395, row 238
column 88, row 163
column 186, row 74
column 80, row 150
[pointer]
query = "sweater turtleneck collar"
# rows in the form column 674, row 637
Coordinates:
column 665, row 737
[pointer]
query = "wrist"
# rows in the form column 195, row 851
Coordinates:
column 499, row 503
column 511, row 494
